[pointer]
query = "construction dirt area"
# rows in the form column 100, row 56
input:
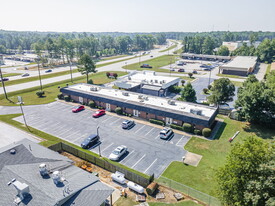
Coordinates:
column 105, row 176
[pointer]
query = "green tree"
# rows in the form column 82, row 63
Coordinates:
column 243, row 168
column 86, row 65
column 223, row 51
column 257, row 100
column 266, row 51
column 188, row 93
column 222, row 91
column 2, row 49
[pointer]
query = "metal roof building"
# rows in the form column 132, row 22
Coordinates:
column 23, row 184
column 240, row 65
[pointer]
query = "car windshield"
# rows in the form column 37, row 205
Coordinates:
column 116, row 152
column 163, row 133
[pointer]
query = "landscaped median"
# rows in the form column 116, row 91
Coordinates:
column 169, row 48
column 51, row 141
column 51, row 90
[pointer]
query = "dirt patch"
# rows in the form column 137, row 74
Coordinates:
column 105, row 176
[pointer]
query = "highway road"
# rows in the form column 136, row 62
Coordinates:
column 112, row 67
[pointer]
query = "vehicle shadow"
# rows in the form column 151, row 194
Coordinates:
column 123, row 156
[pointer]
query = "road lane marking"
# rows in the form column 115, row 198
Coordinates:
column 149, row 131
column 107, row 147
column 139, row 128
column 115, row 121
column 138, row 160
column 150, row 165
column 156, row 137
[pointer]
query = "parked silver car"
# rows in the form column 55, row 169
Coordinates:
column 166, row 133
column 118, row 152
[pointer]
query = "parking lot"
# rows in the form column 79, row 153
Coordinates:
column 147, row 153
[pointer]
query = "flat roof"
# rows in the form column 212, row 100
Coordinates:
column 206, row 56
column 241, row 62
column 147, row 77
column 178, row 106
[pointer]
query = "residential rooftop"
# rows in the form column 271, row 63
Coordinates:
column 242, row 62
column 147, row 100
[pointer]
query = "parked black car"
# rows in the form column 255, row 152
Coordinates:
column 90, row 141
column 4, row 79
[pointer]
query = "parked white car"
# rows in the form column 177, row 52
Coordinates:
column 166, row 133
column 118, row 152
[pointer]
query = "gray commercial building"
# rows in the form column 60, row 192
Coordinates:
column 206, row 57
column 34, row 175
column 144, row 106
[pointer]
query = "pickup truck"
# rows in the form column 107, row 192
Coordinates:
column 146, row 66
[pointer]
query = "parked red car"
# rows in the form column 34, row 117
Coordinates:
column 99, row 113
column 78, row 108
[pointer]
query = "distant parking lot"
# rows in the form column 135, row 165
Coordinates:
column 146, row 152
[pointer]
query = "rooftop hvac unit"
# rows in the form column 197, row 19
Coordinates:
column 145, row 97
column 43, row 169
column 125, row 93
column 129, row 78
column 196, row 111
column 22, row 189
column 94, row 89
column 171, row 102
column 142, row 100
column 140, row 96
column 156, row 81
column 57, row 177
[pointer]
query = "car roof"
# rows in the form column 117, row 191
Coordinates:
column 92, row 136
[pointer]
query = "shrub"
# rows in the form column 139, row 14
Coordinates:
column 67, row 98
column 115, row 75
column 40, row 93
column 197, row 132
column 108, row 74
column 91, row 104
column 152, row 188
column 90, row 81
column 155, row 121
column 182, row 82
column 190, row 74
column 118, row 110
column 205, row 90
column 174, row 89
column 174, row 126
column 187, row 127
column 206, row 132
column 209, row 86
column 60, row 96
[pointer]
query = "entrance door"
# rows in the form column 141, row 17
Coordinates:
column 135, row 113
column 169, row 120
column 80, row 99
column 108, row 107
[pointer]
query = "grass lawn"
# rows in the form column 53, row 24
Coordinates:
column 128, row 202
column 169, row 48
column 179, row 51
column 10, row 74
column 237, row 84
column 113, row 57
column 230, row 76
column 156, row 63
column 268, row 69
column 214, row 153
column 51, row 90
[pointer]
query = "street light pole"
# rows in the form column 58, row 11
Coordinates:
column 126, row 66
column 99, row 144
column 209, row 77
column 139, row 58
column 38, row 67
column 3, row 84
column 20, row 100
column 71, row 71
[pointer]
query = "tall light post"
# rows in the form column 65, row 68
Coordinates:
column 99, row 151
column 39, row 74
column 139, row 57
column 3, row 84
column 209, row 77
column 20, row 100
column 71, row 71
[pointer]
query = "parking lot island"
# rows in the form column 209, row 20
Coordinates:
column 144, row 106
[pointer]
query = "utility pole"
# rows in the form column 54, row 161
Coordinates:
column 209, row 77
column 20, row 100
column 71, row 71
column 4, row 88
column 39, row 75
column 99, row 152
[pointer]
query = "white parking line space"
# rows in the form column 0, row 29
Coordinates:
column 150, row 165
column 140, row 129
column 108, row 118
column 149, row 131
column 107, row 147
column 138, row 161
column 115, row 122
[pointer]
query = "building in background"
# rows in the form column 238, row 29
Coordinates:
column 205, row 57
column 144, row 106
column 240, row 65
column 147, row 82
column 34, row 175
column 233, row 45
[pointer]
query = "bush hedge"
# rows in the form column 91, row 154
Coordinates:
column 118, row 110
column 206, row 132
column 67, row 98
column 187, row 127
column 205, row 90
column 152, row 188
column 174, row 126
column 197, row 132
column 40, row 93
column 90, row 81
column 91, row 104
column 155, row 121
column 60, row 96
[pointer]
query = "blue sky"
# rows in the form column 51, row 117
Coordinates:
column 137, row 15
